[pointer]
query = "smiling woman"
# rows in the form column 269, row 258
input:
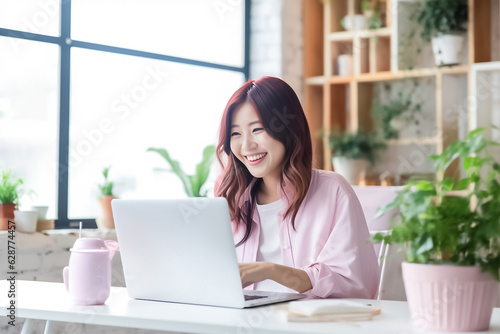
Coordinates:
column 294, row 227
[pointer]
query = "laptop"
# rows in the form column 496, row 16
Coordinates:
column 182, row 251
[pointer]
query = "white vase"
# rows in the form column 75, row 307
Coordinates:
column 352, row 170
column 25, row 220
column 448, row 48
column 397, row 124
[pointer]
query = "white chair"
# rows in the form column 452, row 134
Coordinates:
column 383, row 251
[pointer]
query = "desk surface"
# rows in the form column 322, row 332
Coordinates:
column 49, row 301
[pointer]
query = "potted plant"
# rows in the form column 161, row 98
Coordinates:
column 192, row 183
column 10, row 191
column 445, row 22
column 353, row 153
column 107, row 195
column 371, row 11
column 452, row 235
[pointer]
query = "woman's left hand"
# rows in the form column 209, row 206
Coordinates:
column 251, row 273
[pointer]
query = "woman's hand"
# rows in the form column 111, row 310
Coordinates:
column 251, row 273
column 295, row 279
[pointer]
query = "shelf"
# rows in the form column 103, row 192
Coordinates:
column 336, row 79
column 460, row 69
column 315, row 81
column 346, row 102
column 419, row 73
column 388, row 75
column 341, row 36
column 352, row 34
column 417, row 141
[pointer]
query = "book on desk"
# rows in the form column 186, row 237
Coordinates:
column 328, row 310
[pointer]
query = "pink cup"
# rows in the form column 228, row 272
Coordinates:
column 88, row 276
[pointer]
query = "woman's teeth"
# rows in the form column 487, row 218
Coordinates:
column 256, row 157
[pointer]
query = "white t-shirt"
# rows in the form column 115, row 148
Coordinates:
column 269, row 243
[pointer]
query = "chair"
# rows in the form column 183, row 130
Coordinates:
column 381, row 257
column 371, row 198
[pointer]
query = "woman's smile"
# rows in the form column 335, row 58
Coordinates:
column 256, row 158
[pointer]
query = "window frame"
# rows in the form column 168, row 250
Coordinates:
column 65, row 44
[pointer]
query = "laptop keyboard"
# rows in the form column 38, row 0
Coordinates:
column 247, row 297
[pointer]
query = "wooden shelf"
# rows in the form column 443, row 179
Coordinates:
column 345, row 102
column 460, row 69
column 388, row 75
column 352, row 34
column 313, row 81
column 337, row 79
column 417, row 141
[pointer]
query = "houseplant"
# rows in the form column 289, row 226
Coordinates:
column 192, row 183
column 445, row 22
column 10, row 191
column 397, row 112
column 107, row 195
column 353, row 153
column 371, row 10
column 452, row 232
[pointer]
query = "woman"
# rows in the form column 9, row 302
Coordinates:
column 295, row 227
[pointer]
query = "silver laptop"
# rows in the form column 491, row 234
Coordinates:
column 183, row 251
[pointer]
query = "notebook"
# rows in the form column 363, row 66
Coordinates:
column 182, row 250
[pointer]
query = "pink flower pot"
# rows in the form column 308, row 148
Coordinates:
column 449, row 298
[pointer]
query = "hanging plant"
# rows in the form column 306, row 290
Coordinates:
column 396, row 113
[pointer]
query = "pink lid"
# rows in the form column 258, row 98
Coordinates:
column 89, row 244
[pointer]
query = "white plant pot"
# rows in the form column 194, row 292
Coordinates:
column 448, row 48
column 25, row 220
column 352, row 170
column 397, row 124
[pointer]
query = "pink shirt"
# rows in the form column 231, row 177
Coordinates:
column 329, row 243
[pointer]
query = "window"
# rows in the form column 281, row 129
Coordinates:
column 87, row 85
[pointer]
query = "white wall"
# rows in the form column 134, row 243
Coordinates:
column 276, row 44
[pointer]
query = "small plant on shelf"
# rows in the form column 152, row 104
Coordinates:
column 445, row 23
column 442, row 17
column 10, row 192
column 358, row 145
column 352, row 153
column 10, row 188
column 372, row 12
column 107, row 187
column 106, row 221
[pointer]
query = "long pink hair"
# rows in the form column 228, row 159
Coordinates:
column 283, row 119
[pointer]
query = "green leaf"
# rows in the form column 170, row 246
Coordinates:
column 463, row 184
column 10, row 188
column 176, row 168
column 425, row 244
column 424, row 185
column 202, row 170
column 470, row 162
column 474, row 133
column 448, row 183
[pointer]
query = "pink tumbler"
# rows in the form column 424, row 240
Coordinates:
column 88, row 276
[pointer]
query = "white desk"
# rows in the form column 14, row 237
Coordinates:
column 49, row 301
